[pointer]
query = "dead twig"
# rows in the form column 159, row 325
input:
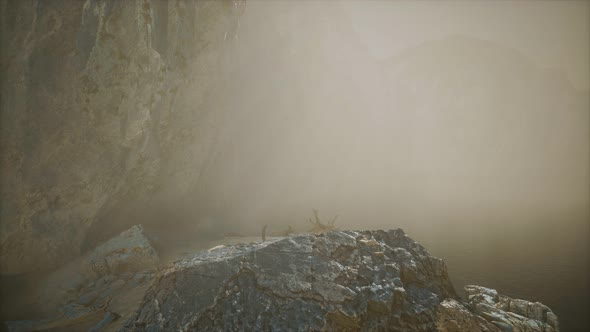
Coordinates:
column 264, row 233
column 318, row 226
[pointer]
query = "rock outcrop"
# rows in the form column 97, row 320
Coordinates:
column 90, row 280
column 336, row 281
column 339, row 281
column 131, row 251
column 128, row 253
column 486, row 310
column 343, row 280
column 97, row 289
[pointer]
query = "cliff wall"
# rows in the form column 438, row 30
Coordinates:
column 105, row 105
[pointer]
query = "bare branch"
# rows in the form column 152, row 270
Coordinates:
column 318, row 226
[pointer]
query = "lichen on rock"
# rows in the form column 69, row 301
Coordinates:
column 486, row 310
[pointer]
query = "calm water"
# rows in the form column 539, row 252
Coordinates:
column 546, row 265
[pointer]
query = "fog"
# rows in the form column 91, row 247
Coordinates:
column 454, row 129
column 465, row 124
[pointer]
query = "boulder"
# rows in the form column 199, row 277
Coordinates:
column 487, row 310
column 128, row 253
column 97, row 290
column 338, row 281
column 342, row 280
column 453, row 316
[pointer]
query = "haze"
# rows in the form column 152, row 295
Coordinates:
column 358, row 109
column 466, row 123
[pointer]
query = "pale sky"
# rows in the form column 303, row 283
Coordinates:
column 555, row 34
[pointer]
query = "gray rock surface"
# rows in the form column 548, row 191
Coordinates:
column 342, row 280
column 131, row 251
column 96, row 290
column 453, row 316
column 100, row 111
column 487, row 310
column 336, row 281
column 101, row 272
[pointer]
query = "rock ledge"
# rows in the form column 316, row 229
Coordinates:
column 487, row 310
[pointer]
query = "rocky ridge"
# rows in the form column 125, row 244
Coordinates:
column 486, row 310
column 337, row 281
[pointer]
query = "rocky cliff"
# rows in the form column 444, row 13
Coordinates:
column 111, row 108
column 100, row 111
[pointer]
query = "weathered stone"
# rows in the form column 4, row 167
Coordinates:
column 488, row 295
column 520, row 307
column 452, row 316
column 504, row 326
column 489, row 311
column 128, row 252
column 313, row 282
column 326, row 282
column 100, row 111
column 131, row 251
column 552, row 320
column 511, row 314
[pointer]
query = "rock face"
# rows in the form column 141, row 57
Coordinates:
column 490, row 311
column 99, row 110
column 343, row 280
column 338, row 281
column 97, row 289
column 127, row 254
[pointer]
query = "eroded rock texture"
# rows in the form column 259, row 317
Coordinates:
column 344, row 280
column 339, row 281
column 100, row 109
column 128, row 253
column 489, row 311
column 101, row 288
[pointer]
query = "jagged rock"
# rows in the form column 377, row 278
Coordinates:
column 131, row 251
column 80, row 297
column 489, row 311
column 96, row 273
column 343, row 280
column 339, row 281
column 455, row 317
